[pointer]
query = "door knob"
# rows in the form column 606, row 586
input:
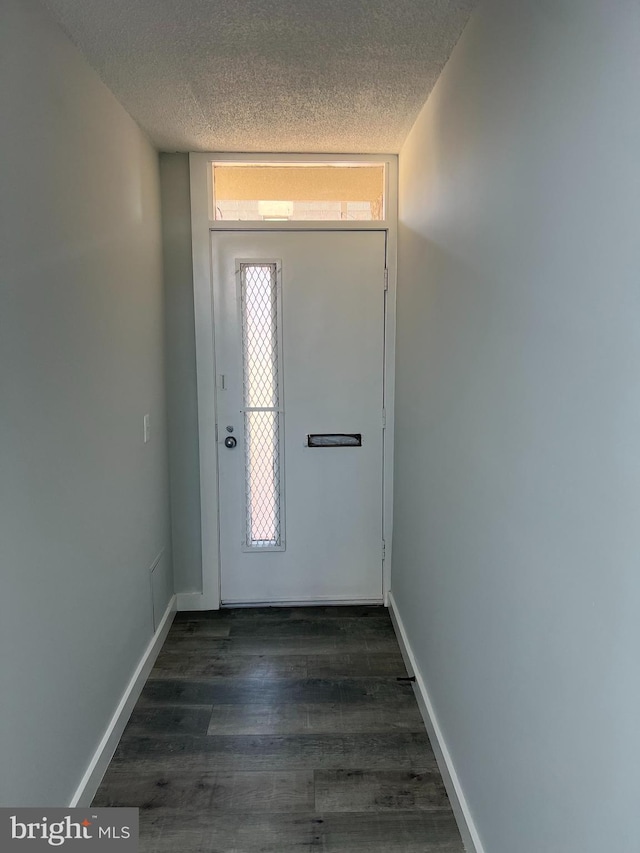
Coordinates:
column 230, row 442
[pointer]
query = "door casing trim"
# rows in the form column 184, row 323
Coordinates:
column 201, row 226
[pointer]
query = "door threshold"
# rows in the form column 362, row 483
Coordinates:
column 297, row 602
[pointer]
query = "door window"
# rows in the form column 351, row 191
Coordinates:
column 262, row 381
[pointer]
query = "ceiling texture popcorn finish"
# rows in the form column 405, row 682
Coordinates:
column 343, row 76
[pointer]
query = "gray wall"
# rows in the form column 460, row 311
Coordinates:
column 83, row 502
column 181, row 372
column 517, row 507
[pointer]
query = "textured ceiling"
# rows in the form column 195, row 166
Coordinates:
column 268, row 75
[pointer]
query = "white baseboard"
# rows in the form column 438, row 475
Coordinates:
column 194, row 601
column 87, row 788
column 461, row 811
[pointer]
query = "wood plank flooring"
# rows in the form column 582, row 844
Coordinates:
column 281, row 730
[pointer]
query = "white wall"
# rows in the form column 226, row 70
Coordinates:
column 83, row 502
column 182, row 394
column 517, row 507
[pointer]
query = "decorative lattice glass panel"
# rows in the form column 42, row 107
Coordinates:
column 262, row 412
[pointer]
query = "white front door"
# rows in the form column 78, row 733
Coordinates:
column 299, row 346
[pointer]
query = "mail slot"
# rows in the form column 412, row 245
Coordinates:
column 333, row 439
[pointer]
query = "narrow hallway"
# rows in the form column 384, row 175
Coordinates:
column 281, row 730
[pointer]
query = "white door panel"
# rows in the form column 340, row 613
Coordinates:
column 330, row 366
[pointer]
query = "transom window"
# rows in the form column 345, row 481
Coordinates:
column 314, row 192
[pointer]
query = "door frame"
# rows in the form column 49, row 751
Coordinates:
column 202, row 224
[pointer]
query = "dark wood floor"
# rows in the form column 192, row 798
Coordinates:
column 281, row 731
